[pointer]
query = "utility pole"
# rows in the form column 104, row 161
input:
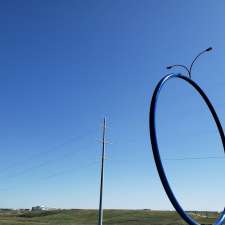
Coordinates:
column 100, row 212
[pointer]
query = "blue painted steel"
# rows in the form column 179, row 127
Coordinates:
column 155, row 149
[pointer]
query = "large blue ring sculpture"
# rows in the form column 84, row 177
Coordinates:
column 155, row 149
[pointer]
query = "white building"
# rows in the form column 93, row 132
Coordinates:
column 39, row 208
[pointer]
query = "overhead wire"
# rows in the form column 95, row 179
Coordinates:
column 50, row 150
column 54, row 175
column 194, row 158
column 46, row 162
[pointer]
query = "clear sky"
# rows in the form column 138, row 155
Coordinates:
column 64, row 65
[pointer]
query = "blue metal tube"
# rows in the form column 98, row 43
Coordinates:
column 155, row 149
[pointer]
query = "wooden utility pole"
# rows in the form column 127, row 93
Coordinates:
column 100, row 213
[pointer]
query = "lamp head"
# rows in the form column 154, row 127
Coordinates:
column 208, row 49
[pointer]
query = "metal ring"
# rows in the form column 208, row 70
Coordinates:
column 155, row 149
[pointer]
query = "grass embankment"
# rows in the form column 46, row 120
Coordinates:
column 89, row 217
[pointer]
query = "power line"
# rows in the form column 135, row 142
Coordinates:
column 175, row 159
column 41, row 164
column 41, row 153
column 44, row 152
column 62, row 172
column 54, row 175
column 194, row 158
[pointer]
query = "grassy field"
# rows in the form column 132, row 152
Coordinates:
column 89, row 217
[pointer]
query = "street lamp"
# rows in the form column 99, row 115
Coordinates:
column 155, row 147
column 190, row 68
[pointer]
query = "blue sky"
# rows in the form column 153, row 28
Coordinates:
column 67, row 64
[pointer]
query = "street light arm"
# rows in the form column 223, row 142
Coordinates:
column 206, row 50
column 180, row 65
column 190, row 68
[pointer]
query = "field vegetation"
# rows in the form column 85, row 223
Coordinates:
column 89, row 217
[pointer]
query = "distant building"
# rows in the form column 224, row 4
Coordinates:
column 23, row 210
column 42, row 208
column 39, row 208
